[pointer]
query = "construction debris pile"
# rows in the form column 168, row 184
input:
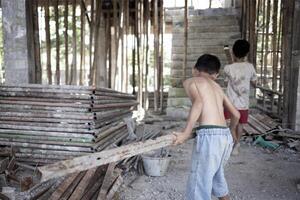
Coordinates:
column 264, row 131
column 45, row 124
column 100, row 182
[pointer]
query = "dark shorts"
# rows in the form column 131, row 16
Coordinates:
column 243, row 118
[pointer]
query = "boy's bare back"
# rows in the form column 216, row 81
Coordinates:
column 209, row 98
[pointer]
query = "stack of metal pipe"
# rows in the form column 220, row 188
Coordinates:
column 45, row 124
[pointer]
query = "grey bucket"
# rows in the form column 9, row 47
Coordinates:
column 156, row 166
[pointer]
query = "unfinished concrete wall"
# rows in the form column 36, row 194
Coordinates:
column 15, row 42
column 209, row 30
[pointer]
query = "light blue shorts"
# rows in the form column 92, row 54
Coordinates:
column 211, row 150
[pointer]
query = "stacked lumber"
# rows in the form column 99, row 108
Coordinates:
column 259, row 124
column 271, row 132
column 46, row 123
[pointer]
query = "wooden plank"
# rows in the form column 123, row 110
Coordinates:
column 78, row 193
column 114, row 188
column 104, row 157
column 63, row 187
column 66, row 195
column 106, row 181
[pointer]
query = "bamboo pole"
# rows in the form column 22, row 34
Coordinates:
column 156, row 54
column 109, row 45
column 73, row 78
column 147, row 28
column 252, row 32
column 133, row 60
column 122, row 70
column 115, row 43
column 57, row 72
column 91, row 74
column 279, row 49
column 263, row 41
column 274, row 44
column 82, row 43
column 161, row 57
column 184, row 66
column 138, row 45
column 265, row 71
column 48, row 42
column 66, row 14
column 126, row 42
column 38, row 67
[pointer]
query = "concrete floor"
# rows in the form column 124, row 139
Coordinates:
column 255, row 174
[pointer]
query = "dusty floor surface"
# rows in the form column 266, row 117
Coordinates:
column 255, row 174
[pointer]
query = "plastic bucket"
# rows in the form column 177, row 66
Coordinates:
column 156, row 166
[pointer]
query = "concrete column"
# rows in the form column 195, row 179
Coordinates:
column 15, row 42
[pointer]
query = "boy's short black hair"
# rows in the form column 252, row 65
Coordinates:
column 241, row 48
column 208, row 63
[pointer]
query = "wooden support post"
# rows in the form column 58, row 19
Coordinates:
column 48, row 42
column 82, row 43
column 82, row 163
column 184, row 64
column 274, row 44
column 156, row 54
column 115, row 44
column 57, row 71
column 66, row 14
column 294, row 104
column 91, row 75
column 122, row 70
column 133, row 66
column 265, row 71
column 99, row 65
column 73, row 78
column 147, row 29
column 263, row 42
column 288, row 7
column 161, row 56
column 138, row 51
column 38, row 66
column 252, row 32
column 126, row 43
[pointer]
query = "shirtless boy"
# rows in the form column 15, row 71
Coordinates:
column 214, row 140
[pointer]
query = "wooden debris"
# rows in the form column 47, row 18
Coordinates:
column 107, row 179
column 82, row 163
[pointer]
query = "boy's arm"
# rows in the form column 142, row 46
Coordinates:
column 194, row 114
column 234, row 115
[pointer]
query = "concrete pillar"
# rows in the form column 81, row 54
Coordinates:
column 15, row 42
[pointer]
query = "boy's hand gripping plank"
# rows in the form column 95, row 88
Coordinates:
column 82, row 163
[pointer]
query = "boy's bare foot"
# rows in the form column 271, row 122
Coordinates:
column 236, row 149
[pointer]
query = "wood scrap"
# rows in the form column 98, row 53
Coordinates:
column 79, row 191
column 63, row 187
column 82, row 163
column 107, row 179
